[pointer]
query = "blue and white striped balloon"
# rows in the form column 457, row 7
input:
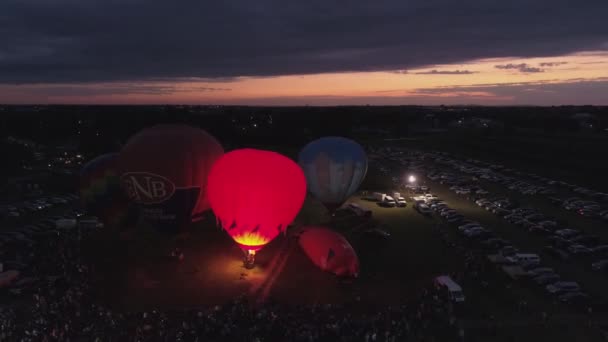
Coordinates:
column 334, row 169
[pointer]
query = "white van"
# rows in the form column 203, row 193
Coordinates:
column 399, row 199
column 360, row 211
column 389, row 201
column 453, row 289
column 378, row 196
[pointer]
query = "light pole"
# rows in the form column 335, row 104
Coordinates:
column 411, row 179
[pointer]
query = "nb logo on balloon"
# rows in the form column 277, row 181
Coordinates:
column 147, row 188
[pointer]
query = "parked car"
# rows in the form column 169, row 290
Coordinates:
column 601, row 265
column 501, row 212
column 587, row 240
column 470, row 230
column 508, row 251
column 600, row 250
column 423, row 209
column 567, row 233
column 378, row 233
column 573, row 297
column 486, row 234
column 494, row 243
column 540, row 271
column 546, row 279
column 579, row 250
column 562, row 287
column 468, row 225
column 556, row 253
column 536, row 229
column 455, row 219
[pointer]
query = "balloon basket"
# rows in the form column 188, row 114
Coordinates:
column 249, row 260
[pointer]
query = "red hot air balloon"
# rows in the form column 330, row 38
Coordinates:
column 330, row 251
column 164, row 169
column 255, row 195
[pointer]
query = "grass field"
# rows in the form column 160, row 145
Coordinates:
column 135, row 275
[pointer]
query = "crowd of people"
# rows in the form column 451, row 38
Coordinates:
column 60, row 306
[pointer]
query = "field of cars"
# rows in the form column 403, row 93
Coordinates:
column 563, row 255
column 34, row 220
column 24, row 209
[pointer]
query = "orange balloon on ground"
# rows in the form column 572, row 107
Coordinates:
column 330, row 251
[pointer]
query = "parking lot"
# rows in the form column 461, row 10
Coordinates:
column 24, row 225
column 519, row 298
column 456, row 189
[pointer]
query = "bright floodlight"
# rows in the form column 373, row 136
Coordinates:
column 411, row 179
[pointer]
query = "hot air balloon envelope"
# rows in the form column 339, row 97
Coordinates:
column 334, row 169
column 8, row 277
column 100, row 191
column 164, row 170
column 330, row 251
column 255, row 195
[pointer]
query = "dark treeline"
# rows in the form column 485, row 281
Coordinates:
column 99, row 129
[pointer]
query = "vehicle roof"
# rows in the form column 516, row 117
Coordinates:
column 566, row 283
column 448, row 282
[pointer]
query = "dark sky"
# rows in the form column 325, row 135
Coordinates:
column 63, row 41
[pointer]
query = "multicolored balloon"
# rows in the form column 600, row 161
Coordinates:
column 330, row 251
column 100, row 191
column 164, row 171
column 334, row 169
column 255, row 195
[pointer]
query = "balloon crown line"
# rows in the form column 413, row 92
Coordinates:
column 280, row 228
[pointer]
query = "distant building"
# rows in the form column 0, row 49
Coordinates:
column 476, row 123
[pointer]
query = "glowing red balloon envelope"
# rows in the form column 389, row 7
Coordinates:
column 255, row 195
column 164, row 169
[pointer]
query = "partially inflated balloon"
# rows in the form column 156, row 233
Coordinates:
column 334, row 169
column 164, row 170
column 100, row 191
column 330, row 251
column 255, row 195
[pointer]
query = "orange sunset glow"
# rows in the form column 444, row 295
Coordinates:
column 487, row 81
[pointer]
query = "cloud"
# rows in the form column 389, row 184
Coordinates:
column 446, row 72
column 579, row 91
column 65, row 41
column 595, row 62
column 100, row 90
column 552, row 64
column 523, row 68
